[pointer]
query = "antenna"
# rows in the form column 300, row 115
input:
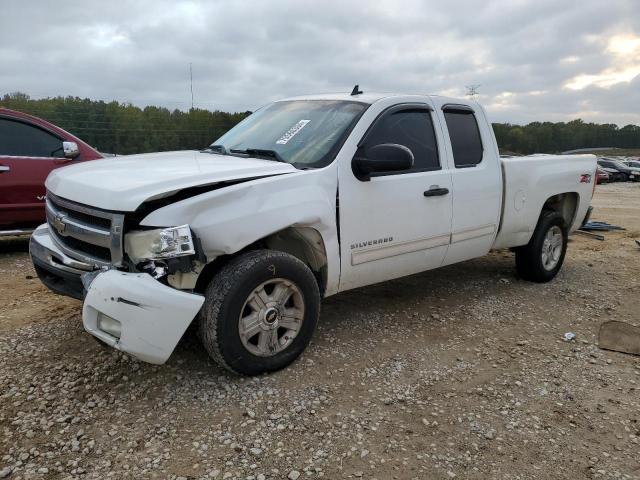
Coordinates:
column 472, row 90
column 191, row 82
column 356, row 90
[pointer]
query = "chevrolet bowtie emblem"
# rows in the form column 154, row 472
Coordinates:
column 58, row 223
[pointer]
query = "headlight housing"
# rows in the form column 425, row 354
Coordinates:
column 159, row 244
column 635, row 172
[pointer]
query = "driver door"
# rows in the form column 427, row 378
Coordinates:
column 396, row 223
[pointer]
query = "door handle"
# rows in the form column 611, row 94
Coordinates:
column 4, row 168
column 436, row 191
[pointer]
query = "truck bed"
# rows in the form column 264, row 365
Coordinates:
column 530, row 181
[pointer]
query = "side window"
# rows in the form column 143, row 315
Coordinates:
column 22, row 140
column 465, row 137
column 412, row 128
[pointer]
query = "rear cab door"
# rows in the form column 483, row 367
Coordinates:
column 27, row 154
column 476, row 177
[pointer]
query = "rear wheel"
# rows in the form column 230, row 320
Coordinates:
column 260, row 312
column 541, row 259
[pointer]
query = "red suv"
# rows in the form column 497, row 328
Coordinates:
column 29, row 149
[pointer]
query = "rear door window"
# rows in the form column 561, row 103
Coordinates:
column 21, row 140
column 465, row 137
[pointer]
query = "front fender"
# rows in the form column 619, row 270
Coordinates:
column 228, row 219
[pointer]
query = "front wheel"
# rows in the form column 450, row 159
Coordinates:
column 541, row 259
column 260, row 312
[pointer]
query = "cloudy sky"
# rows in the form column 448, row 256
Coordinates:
column 533, row 59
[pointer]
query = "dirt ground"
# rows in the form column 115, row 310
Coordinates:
column 460, row 372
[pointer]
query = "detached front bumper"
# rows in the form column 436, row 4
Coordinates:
column 138, row 314
column 151, row 317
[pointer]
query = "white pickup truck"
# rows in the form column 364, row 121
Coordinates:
column 305, row 198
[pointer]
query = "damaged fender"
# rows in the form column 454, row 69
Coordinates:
column 229, row 219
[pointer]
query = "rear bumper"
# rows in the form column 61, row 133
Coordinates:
column 152, row 316
column 59, row 272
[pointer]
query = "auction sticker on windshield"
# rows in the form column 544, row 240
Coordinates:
column 292, row 132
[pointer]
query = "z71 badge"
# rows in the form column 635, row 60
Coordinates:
column 585, row 178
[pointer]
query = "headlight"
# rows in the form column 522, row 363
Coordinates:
column 159, row 244
column 635, row 172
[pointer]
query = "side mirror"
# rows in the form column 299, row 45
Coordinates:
column 70, row 150
column 386, row 157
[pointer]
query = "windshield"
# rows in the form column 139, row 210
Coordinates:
column 304, row 133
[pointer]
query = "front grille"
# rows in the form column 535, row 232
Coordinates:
column 95, row 251
column 86, row 218
column 86, row 233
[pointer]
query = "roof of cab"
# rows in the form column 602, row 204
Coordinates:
column 368, row 97
column 372, row 97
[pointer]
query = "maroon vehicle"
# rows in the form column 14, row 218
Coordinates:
column 602, row 176
column 30, row 148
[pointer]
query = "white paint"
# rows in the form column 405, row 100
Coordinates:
column 477, row 190
column 537, row 178
column 473, row 233
column 123, row 183
column 390, row 206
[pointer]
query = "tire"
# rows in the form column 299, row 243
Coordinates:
column 244, row 295
column 531, row 263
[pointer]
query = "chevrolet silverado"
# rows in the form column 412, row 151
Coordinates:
column 305, row 198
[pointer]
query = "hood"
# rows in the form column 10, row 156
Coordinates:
column 124, row 183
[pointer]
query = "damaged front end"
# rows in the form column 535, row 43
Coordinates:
column 137, row 314
column 144, row 311
column 173, row 252
column 136, row 282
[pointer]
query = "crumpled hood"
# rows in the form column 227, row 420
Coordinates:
column 124, row 183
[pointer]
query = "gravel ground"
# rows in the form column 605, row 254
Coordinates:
column 456, row 373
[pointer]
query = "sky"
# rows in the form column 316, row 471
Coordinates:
column 553, row 60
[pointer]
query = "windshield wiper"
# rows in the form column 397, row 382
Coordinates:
column 217, row 149
column 260, row 152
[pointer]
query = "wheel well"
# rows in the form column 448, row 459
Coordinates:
column 566, row 204
column 304, row 243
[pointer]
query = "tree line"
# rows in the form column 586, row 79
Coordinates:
column 123, row 128
column 550, row 137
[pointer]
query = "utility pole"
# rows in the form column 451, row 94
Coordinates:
column 191, row 80
column 472, row 90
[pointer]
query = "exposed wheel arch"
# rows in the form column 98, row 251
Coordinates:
column 566, row 204
column 304, row 243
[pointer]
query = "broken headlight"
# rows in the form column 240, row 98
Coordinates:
column 159, row 244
